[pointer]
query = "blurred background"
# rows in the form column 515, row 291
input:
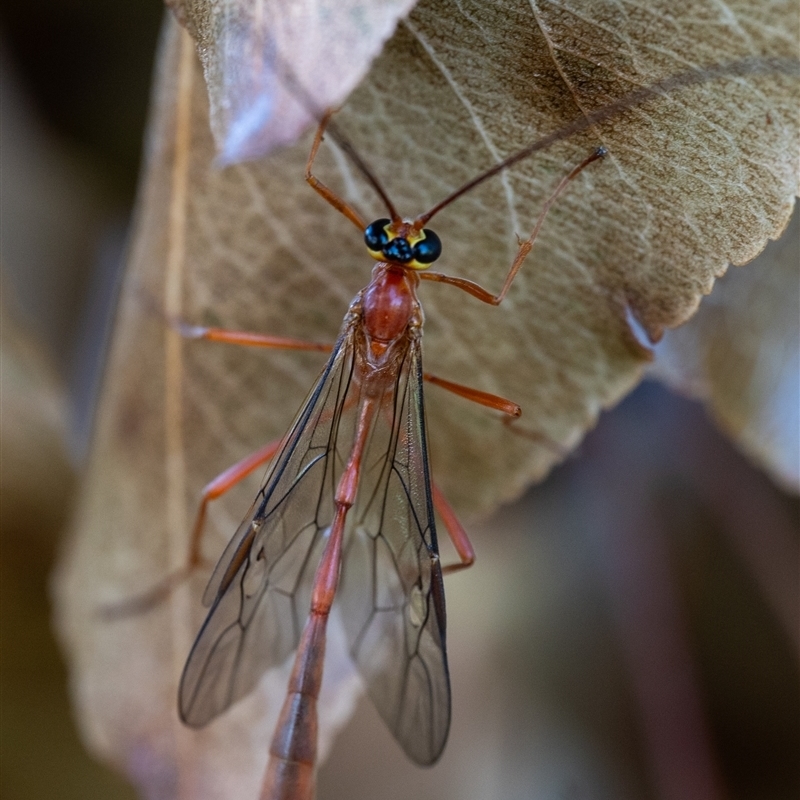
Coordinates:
column 75, row 85
column 630, row 629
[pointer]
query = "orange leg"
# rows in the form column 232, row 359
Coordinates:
column 525, row 246
column 216, row 488
column 233, row 475
column 476, row 396
column 458, row 536
column 245, row 338
column 341, row 205
column 455, row 530
column 511, row 410
column 223, row 482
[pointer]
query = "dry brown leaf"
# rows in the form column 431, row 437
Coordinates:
column 694, row 180
column 741, row 354
column 246, row 46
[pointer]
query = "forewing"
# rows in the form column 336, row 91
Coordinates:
column 261, row 588
column 391, row 592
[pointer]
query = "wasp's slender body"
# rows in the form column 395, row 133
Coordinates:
column 346, row 512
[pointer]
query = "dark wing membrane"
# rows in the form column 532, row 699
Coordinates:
column 260, row 591
column 391, row 591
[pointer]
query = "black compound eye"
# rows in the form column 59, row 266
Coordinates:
column 375, row 235
column 427, row 250
column 398, row 250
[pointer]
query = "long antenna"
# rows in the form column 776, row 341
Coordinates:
column 347, row 147
column 746, row 66
column 753, row 65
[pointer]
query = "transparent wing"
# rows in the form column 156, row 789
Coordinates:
column 260, row 591
column 391, row 590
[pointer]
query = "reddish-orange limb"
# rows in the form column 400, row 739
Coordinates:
column 216, row 488
column 293, row 752
column 476, row 395
column 222, row 483
column 339, row 203
column 525, row 246
column 246, row 338
column 455, row 530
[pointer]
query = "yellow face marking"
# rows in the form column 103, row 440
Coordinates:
column 411, row 236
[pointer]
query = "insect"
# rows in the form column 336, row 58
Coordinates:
column 346, row 512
